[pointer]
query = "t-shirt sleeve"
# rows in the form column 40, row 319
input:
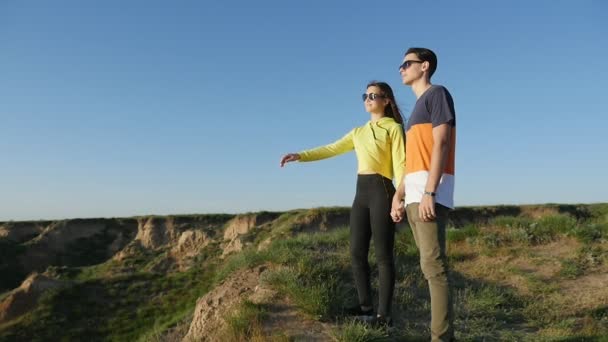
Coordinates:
column 398, row 153
column 441, row 106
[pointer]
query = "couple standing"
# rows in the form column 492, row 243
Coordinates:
column 423, row 169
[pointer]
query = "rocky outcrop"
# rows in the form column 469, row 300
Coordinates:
column 181, row 233
column 264, row 244
column 25, row 297
column 133, row 248
column 58, row 235
column 190, row 244
column 212, row 308
column 321, row 220
column 118, row 244
column 308, row 221
column 76, row 242
column 240, row 226
column 43, row 250
column 181, row 237
column 22, row 231
column 154, row 232
column 236, row 228
column 233, row 246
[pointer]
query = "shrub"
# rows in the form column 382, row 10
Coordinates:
column 590, row 232
column 571, row 269
column 511, row 221
column 461, row 234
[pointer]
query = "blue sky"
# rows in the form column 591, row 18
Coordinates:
column 121, row 108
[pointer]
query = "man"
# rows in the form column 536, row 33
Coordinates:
column 429, row 181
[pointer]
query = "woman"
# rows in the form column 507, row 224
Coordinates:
column 380, row 149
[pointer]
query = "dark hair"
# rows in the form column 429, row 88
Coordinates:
column 425, row 55
column 391, row 110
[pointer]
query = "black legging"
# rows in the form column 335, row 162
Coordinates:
column 370, row 217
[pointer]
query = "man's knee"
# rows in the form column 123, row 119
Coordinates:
column 433, row 268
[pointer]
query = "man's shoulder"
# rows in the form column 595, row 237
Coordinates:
column 437, row 94
column 438, row 89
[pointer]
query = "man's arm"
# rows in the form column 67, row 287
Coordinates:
column 439, row 156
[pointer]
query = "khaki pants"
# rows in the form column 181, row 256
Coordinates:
column 430, row 238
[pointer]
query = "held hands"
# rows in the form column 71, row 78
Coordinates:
column 397, row 209
column 290, row 157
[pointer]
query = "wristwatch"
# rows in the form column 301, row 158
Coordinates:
column 430, row 193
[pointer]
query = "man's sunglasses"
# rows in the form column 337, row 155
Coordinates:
column 407, row 64
column 372, row 96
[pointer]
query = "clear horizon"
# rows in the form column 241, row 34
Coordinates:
column 266, row 210
column 148, row 108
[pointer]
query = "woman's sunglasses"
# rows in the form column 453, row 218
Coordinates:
column 372, row 96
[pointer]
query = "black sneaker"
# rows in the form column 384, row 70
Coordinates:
column 357, row 311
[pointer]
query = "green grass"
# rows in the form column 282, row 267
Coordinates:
column 469, row 231
column 245, row 322
column 352, row 331
column 598, row 212
column 493, row 240
column 484, row 311
column 528, row 231
column 317, row 299
column 571, row 269
column 136, row 303
column 317, row 272
column 120, row 308
column 491, row 301
column 292, row 222
column 512, row 222
column 592, row 255
column 318, row 265
column 548, row 228
column 405, row 246
column 249, row 258
column 590, row 232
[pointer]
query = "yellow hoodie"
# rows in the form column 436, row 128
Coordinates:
column 379, row 146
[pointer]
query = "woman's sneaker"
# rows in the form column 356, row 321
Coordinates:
column 357, row 311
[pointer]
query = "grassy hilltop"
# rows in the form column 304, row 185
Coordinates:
column 531, row 273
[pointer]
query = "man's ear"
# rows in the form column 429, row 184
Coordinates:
column 425, row 66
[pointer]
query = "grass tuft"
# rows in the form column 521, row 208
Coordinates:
column 245, row 323
column 469, row 231
column 352, row 331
